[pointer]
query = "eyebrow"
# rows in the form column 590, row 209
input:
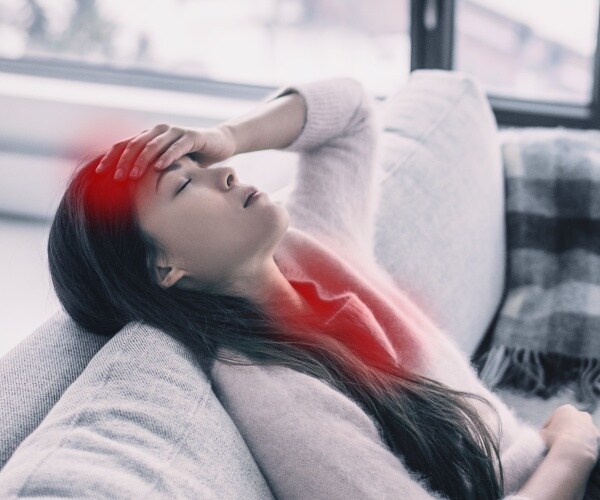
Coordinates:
column 172, row 166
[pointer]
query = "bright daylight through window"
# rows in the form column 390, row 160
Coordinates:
column 524, row 48
column 264, row 42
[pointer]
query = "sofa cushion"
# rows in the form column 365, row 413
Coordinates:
column 36, row 372
column 141, row 420
column 440, row 221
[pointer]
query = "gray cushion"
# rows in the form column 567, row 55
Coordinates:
column 140, row 420
column 36, row 372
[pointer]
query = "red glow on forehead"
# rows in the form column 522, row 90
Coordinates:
column 101, row 135
column 106, row 139
column 104, row 197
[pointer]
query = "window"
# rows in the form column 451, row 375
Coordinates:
column 532, row 49
column 262, row 42
column 68, row 65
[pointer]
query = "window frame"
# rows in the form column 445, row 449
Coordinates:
column 432, row 48
column 130, row 77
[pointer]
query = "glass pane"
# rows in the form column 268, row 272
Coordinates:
column 258, row 42
column 540, row 49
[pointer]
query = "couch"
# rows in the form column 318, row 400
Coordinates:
column 134, row 415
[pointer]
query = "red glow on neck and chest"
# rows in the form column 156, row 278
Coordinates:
column 342, row 317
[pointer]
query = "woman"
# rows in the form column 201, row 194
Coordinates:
column 148, row 233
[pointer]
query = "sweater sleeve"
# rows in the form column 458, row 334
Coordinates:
column 334, row 191
column 522, row 447
column 310, row 440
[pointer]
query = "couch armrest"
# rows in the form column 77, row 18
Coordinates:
column 36, row 372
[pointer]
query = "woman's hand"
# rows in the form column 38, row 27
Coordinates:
column 573, row 431
column 565, row 471
column 164, row 144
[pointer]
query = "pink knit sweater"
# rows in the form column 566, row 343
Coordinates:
column 310, row 441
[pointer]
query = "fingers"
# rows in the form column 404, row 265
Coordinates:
column 156, row 147
column 133, row 149
column 113, row 155
column 125, row 153
column 162, row 145
column 179, row 148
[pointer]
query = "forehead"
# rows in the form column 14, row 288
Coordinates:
column 143, row 190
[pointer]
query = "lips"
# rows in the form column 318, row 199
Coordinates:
column 249, row 192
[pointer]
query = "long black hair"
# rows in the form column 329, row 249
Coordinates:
column 101, row 265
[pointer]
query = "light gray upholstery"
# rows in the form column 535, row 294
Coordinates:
column 36, row 372
column 140, row 420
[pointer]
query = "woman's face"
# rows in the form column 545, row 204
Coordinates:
column 204, row 228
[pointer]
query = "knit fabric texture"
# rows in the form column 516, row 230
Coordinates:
column 309, row 440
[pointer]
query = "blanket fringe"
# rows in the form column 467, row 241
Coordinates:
column 541, row 374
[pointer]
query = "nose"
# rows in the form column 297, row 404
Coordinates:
column 228, row 177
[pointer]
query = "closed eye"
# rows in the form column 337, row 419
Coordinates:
column 183, row 186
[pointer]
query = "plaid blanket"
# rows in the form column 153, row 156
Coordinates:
column 546, row 332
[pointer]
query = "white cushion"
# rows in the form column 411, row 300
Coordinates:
column 141, row 421
column 440, row 223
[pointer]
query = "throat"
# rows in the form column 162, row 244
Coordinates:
column 288, row 304
column 295, row 302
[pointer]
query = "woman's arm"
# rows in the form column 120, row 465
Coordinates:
column 310, row 440
column 531, row 471
column 272, row 125
column 330, row 122
column 572, row 439
column 562, row 475
column 333, row 126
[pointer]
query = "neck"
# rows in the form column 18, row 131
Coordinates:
column 277, row 292
column 267, row 286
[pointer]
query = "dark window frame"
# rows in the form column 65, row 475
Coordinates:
column 432, row 48
column 432, row 43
